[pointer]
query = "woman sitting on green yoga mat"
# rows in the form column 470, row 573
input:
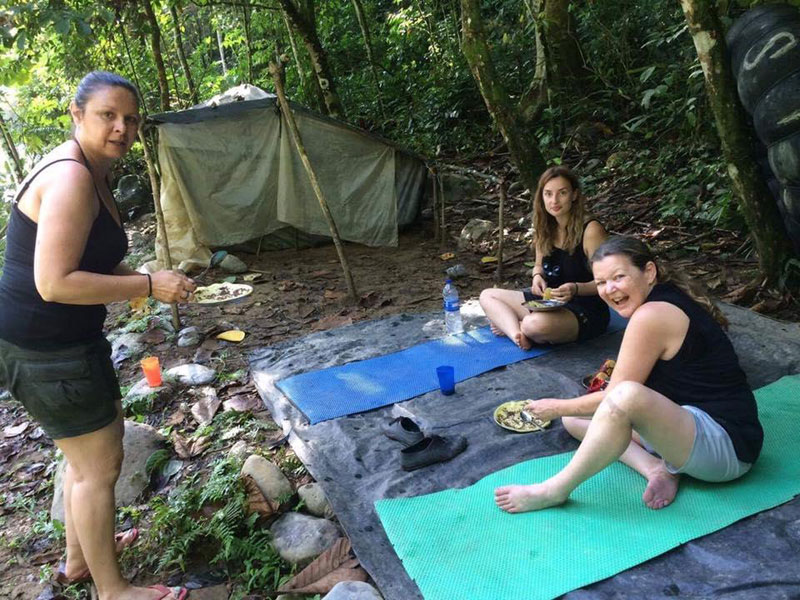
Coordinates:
column 677, row 390
column 565, row 237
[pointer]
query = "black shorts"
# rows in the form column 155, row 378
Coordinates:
column 69, row 391
column 592, row 314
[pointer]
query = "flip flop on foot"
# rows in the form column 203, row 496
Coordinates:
column 178, row 593
column 122, row 540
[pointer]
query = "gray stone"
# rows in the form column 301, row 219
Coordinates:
column 188, row 336
column 142, row 388
column 232, row 264
column 299, row 538
column 133, row 195
column 316, row 502
column 269, row 478
column 214, row 592
column 125, row 346
column 352, row 590
column 139, row 443
column 239, row 450
column 458, row 187
column 473, row 232
column 192, row 374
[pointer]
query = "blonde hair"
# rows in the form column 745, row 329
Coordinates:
column 639, row 255
column 545, row 224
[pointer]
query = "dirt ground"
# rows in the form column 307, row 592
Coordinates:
column 299, row 291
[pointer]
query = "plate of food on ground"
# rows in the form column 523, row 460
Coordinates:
column 546, row 302
column 218, row 293
column 512, row 416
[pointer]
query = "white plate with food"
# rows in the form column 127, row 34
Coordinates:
column 512, row 416
column 219, row 293
column 543, row 305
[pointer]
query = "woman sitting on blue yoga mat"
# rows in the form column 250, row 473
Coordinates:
column 565, row 237
column 677, row 389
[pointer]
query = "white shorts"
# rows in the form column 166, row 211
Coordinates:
column 713, row 457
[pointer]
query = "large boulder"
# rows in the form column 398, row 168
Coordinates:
column 139, row 443
column 299, row 538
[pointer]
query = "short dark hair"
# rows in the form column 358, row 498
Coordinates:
column 101, row 79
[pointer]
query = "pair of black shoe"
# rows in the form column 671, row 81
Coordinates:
column 421, row 451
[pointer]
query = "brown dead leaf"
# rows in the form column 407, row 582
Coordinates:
column 331, row 322
column 182, row 446
column 199, row 445
column 15, row 430
column 329, row 568
column 334, row 294
column 175, row 418
column 243, row 402
column 256, row 501
column 742, row 295
column 372, row 299
column 204, row 409
column 286, row 285
column 768, row 305
column 321, row 273
column 154, row 336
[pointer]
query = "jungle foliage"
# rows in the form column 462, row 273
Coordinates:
column 616, row 79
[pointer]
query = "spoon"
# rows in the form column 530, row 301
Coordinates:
column 214, row 261
column 527, row 418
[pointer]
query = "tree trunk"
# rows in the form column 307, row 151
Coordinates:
column 310, row 85
column 363, row 25
column 759, row 209
column 221, row 52
column 534, row 99
column 302, row 20
column 182, row 55
column 516, row 130
column 248, row 40
column 11, row 149
column 155, row 45
column 565, row 63
column 286, row 111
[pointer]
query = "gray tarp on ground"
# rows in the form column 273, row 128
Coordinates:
column 356, row 465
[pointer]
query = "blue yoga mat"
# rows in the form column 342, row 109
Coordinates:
column 367, row 384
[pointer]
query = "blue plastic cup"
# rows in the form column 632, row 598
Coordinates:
column 447, row 379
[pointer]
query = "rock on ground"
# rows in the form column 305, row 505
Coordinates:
column 316, row 502
column 139, row 443
column 188, row 336
column 299, row 538
column 192, row 374
column 352, row 590
column 268, row 477
column 232, row 264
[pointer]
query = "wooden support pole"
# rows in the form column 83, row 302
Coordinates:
column 442, row 223
column 162, row 228
column 500, row 232
column 435, row 186
column 276, row 71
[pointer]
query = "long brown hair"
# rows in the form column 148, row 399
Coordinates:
column 545, row 224
column 639, row 255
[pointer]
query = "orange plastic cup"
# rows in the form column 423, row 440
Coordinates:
column 152, row 371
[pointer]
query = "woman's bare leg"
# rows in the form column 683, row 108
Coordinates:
column 667, row 426
column 555, row 327
column 662, row 486
column 95, row 460
column 504, row 310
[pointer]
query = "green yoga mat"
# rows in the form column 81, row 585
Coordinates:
column 458, row 544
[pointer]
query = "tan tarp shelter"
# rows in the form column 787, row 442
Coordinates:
column 230, row 174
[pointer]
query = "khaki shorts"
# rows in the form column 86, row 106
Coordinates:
column 69, row 391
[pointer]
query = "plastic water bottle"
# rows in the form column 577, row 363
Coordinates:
column 452, row 308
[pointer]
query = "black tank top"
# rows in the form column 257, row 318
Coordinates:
column 705, row 373
column 25, row 318
column 561, row 267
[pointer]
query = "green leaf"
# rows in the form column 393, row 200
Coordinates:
column 61, row 25
column 21, row 39
column 646, row 74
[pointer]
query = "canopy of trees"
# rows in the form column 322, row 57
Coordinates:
column 611, row 84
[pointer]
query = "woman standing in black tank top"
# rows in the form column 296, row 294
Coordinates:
column 65, row 244
column 677, row 390
column 564, row 238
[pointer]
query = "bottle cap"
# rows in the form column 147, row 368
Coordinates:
column 448, row 281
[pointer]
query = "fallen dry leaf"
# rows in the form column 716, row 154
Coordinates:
column 334, row 294
column 199, row 445
column 154, row 336
column 175, row 418
column 331, row 322
column 243, row 402
column 256, row 501
column 204, row 409
column 329, row 568
column 182, row 446
column 15, row 430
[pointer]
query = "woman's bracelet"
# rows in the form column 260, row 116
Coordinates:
column 149, row 284
column 539, row 274
column 576, row 287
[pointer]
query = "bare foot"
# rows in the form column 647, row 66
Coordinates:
column 524, row 498
column 75, row 567
column 521, row 340
column 661, row 489
column 496, row 330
